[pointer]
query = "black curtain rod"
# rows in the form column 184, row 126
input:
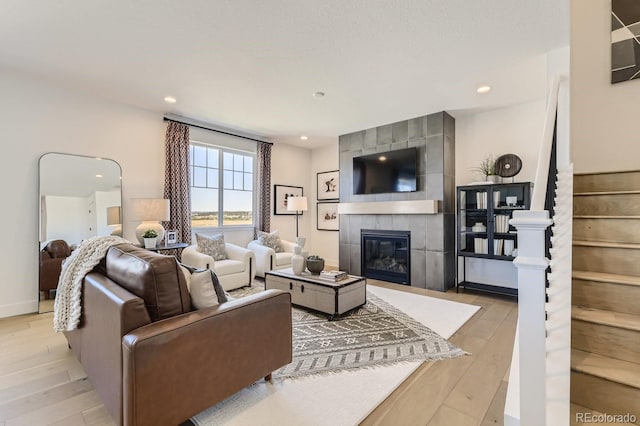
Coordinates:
column 216, row 130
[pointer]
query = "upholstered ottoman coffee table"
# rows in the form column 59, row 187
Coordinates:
column 319, row 294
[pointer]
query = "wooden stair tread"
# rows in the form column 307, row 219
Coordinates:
column 604, row 217
column 609, row 318
column 607, row 278
column 615, row 370
column 605, row 244
column 582, row 194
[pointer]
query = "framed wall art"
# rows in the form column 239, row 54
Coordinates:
column 281, row 194
column 625, row 51
column 329, row 185
column 327, row 217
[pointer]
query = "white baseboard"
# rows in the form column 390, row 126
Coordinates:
column 27, row 307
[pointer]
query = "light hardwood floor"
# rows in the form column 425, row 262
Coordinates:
column 463, row 391
column 41, row 382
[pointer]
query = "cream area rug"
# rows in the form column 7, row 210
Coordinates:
column 343, row 398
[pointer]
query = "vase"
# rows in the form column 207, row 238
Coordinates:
column 150, row 242
column 297, row 261
column 301, row 241
column 493, row 178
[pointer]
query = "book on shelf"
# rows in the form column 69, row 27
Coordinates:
column 481, row 200
column 334, row 275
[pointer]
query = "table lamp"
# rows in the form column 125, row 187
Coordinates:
column 150, row 212
column 297, row 204
column 114, row 219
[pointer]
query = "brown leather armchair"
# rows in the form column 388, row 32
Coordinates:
column 155, row 361
column 51, row 258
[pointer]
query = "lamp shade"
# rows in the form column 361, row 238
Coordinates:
column 149, row 209
column 297, row 204
column 113, row 215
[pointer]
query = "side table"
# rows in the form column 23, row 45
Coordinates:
column 174, row 249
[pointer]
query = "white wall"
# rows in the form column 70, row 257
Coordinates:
column 511, row 130
column 67, row 219
column 40, row 118
column 291, row 166
column 323, row 243
column 604, row 116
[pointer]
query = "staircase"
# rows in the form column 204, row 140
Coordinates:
column 605, row 331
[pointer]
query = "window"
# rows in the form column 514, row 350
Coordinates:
column 221, row 186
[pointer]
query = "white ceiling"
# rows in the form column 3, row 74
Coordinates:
column 253, row 64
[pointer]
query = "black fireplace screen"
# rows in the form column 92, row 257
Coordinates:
column 386, row 255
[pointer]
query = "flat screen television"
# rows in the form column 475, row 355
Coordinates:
column 393, row 171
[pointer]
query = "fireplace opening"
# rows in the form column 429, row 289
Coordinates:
column 386, row 255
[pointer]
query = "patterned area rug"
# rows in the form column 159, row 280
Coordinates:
column 375, row 334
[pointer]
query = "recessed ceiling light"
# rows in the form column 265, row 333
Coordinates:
column 170, row 99
column 318, row 95
column 99, row 176
column 382, row 158
column 304, row 138
column 483, row 89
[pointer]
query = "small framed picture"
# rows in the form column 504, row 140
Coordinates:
column 172, row 237
column 327, row 217
column 281, row 194
column 329, row 185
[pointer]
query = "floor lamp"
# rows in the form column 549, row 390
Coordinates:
column 297, row 204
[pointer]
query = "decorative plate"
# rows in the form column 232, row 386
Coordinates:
column 508, row 165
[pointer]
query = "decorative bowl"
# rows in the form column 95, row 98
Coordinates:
column 315, row 266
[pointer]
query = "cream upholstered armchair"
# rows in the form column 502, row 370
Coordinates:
column 268, row 259
column 237, row 270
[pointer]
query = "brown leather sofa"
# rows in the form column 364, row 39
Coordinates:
column 51, row 258
column 155, row 361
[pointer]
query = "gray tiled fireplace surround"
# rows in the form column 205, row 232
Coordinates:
column 432, row 235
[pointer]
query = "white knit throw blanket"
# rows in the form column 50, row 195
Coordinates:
column 67, row 307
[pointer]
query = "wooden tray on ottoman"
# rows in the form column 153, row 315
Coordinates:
column 323, row 295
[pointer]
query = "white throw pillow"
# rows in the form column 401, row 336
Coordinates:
column 187, row 275
column 204, row 288
column 202, row 293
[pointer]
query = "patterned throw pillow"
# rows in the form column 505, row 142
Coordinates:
column 212, row 246
column 271, row 240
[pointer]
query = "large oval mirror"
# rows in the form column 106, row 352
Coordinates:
column 80, row 197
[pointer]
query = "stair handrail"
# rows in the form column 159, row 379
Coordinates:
column 544, row 154
column 532, row 264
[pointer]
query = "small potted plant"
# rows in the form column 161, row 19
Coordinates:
column 150, row 237
column 315, row 264
column 487, row 168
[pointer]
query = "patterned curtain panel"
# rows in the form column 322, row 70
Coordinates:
column 177, row 179
column 263, row 222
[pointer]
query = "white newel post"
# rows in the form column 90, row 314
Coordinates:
column 532, row 264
